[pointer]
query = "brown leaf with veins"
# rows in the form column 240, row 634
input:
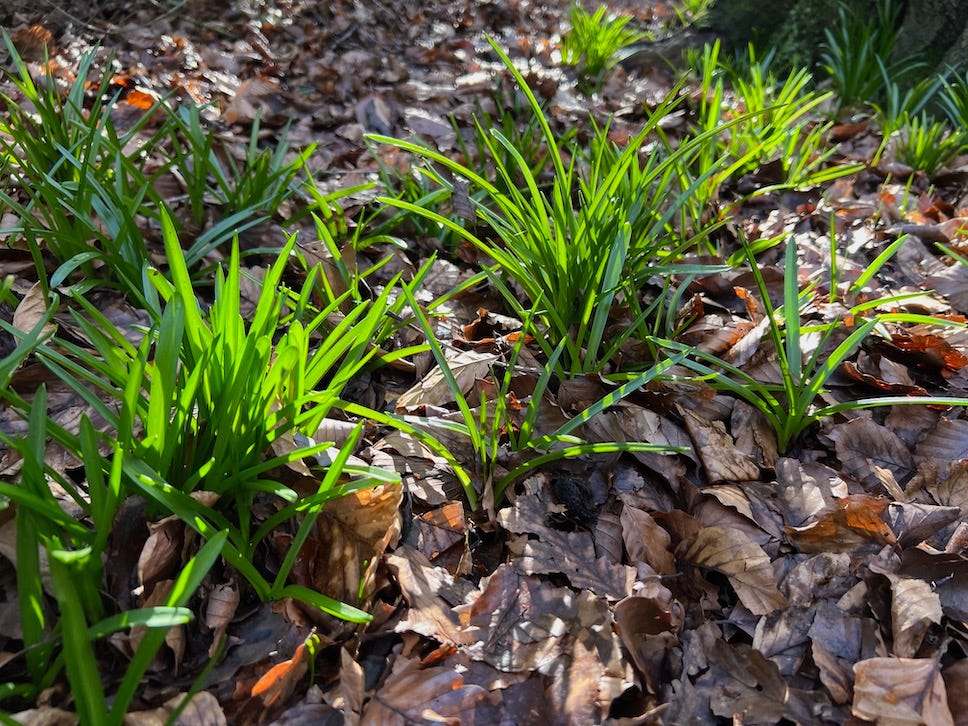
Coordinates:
column 744, row 562
column 861, row 442
column 352, row 532
column 852, row 523
column 646, row 541
column 413, row 694
column 900, row 691
column 720, row 457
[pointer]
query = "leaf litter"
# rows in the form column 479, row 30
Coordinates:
column 728, row 582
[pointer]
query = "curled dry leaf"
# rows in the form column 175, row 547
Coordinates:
column 852, row 523
column 719, row 455
column 250, row 100
column 900, row 691
column 744, row 562
column 433, row 390
column 915, row 607
column 278, row 683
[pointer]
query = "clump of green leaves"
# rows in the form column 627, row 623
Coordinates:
column 857, row 56
column 927, row 144
column 77, row 191
column 789, row 405
column 594, row 41
column 582, row 248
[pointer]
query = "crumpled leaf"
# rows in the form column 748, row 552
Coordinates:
column 744, row 562
column 850, row 524
column 719, row 455
column 862, row 442
column 434, row 390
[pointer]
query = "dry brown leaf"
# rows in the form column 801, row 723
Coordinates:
column 948, row 442
column 278, row 683
column 720, row 457
column 899, row 691
column 431, row 593
column 352, row 682
column 851, row 524
column 955, row 678
column 836, row 641
column 646, row 541
column 162, row 552
column 743, row 561
column 443, row 538
column 569, row 553
column 414, row 694
column 31, row 311
column 915, row 607
column 202, row 709
column 351, row 534
column 647, row 624
column 250, row 100
column 862, row 442
column 433, row 390
column 220, row 608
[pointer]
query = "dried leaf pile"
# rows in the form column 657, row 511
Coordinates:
column 826, row 585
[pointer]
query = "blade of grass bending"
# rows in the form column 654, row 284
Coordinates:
column 187, row 582
column 68, row 569
column 611, row 398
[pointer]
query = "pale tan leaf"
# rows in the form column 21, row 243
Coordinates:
column 31, row 311
column 898, row 691
column 352, row 683
column 433, row 390
column 915, row 607
column 744, row 562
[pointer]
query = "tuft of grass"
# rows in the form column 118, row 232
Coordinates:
column 789, row 406
column 594, row 41
column 857, row 56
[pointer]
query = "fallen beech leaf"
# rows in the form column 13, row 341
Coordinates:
column 851, row 523
column 936, row 350
column 900, row 691
column 433, row 390
column 413, row 694
column 948, row 442
column 862, row 441
column 915, row 607
column 836, row 642
column 351, row 534
column 281, row 680
column 744, row 562
column 249, row 100
column 31, row 311
column 719, row 456
column 646, row 541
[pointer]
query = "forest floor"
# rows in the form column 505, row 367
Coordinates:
column 733, row 582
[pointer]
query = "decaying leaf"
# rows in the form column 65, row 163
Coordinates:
column 744, row 562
